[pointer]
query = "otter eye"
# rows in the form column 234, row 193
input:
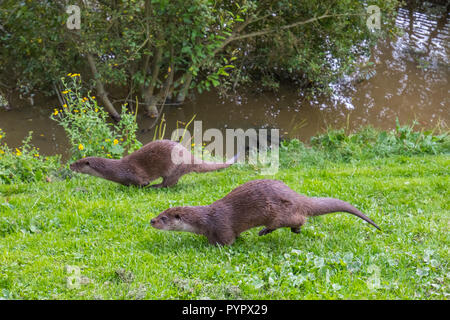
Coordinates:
column 163, row 218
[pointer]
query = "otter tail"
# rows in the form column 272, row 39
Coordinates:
column 322, row 206
column 207, row 166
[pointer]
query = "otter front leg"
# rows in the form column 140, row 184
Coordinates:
column 223, row 239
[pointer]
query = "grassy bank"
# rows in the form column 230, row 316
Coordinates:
column 104, row 229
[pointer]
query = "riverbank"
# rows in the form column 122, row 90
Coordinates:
column 50, row 231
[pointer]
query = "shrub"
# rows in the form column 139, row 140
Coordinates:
column 87, row 126
column 24, row 164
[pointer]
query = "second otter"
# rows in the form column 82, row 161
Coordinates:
column 163, row 158
column 268, row 203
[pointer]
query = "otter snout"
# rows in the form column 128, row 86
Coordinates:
column 157, row 223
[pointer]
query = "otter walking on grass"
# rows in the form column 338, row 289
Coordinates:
column 163, row 158
column 268, row 203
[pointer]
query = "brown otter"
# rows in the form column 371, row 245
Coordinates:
column 163, row 158
column 268, row 203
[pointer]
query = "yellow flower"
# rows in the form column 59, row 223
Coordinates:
column 69, row 74
column 2, row 152
column 18, row 152
column 80, row 147
column 75, row 111
column 85, row 99
column 93, row 97
column 1, row 136
column 193, row 144
column 36, row 155
column 55, row 113
column 96, row 109
column 116, row 141
column 65, row 105
column 65, row 91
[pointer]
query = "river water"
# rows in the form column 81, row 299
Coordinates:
column 408, row 81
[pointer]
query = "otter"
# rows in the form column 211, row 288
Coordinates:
column 268, row 203
column 162, row 158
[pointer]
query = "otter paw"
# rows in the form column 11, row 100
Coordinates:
column 296, row 230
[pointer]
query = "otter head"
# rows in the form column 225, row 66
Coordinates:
column 175, row 219
column 85, row 165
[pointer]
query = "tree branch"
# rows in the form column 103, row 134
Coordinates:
column 101, row 92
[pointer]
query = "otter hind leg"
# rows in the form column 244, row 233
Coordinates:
column 265, row 231
column 167, row 182
column 170, row 181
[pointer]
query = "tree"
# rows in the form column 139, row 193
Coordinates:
column 159, row 49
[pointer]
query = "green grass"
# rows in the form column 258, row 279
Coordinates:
column 103, row 228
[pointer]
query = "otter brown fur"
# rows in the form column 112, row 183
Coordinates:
column 268, row 203
column 152, row 161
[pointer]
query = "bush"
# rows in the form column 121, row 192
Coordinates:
column 24, row 164
column 87, row 126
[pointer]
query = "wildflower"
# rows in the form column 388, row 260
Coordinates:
column 93, row 97
column 1, row 136
column 65, row 105
column 65, row 92
column 2, row 152
column 75, row 111
column 55, row 113
column 69, row 74
column 18, row 152
column 193, row 144
column 36, row 155
column 85, row 99
column 116, row 141
column 96, row 109
column 80, row 147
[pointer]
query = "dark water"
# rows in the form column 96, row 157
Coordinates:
column 408, row 81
